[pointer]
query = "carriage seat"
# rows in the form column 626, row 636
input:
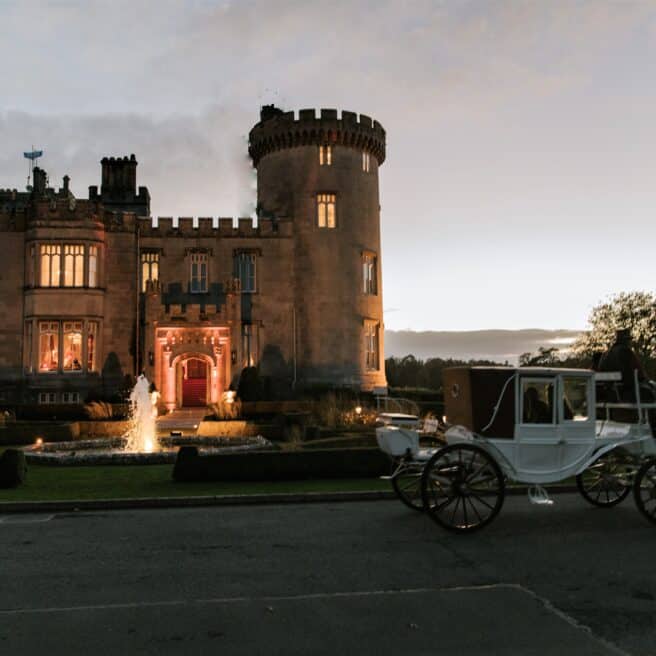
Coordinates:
column 398, row 441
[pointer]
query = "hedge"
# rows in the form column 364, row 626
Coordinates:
column 280, row 465
column 13, row 468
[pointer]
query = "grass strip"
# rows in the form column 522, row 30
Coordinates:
column 137, row 482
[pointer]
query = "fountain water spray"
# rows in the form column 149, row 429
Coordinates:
column 142, row 435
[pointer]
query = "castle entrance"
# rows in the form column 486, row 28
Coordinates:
column 194, row 382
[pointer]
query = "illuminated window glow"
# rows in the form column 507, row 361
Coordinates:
column 50, row 265
column 326, row 214
column 48, row 346
column 149, row 269
column 325, row 155
column 73, row 265
column 93, row 266
column 72, row 346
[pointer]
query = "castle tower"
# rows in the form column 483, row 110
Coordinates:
column 321, row 174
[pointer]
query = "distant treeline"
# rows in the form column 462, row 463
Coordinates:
column 409, row 371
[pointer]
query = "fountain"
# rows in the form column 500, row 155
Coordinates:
column 140, row 444
column 142, row 435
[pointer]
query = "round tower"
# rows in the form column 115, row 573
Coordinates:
column 321, row 174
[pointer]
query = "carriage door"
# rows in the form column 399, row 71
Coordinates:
column 577, row 418
column 537, row 431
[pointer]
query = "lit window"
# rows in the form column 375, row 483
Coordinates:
column 48, row 345
column 249, row 344
column 371, row 345
column 366, row 162
column 92, row 340
column 73, row 265
column 93, row 266
column 325, row 155
column 50, row 265
column 198, row 273
column 369, row 273
column 72, row 346
column 326, row 210
column 149, row 269
column 245, row 270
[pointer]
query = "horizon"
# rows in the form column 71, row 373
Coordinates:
column 519, row 135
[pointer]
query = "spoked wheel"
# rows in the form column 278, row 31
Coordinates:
column 462, row 487
column 644, row 490
column 607, row 481
column 407, row 486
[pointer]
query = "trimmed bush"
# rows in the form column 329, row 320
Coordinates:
column 13, row 468
column 280, row 465
column 250, row 386
column 50, row 412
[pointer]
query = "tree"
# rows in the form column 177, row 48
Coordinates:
column 633, row 310
column 545, row 357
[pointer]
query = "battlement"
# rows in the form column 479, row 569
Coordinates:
column 278, row 130
column 188, row 227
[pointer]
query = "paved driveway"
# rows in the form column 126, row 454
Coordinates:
column 345, row 578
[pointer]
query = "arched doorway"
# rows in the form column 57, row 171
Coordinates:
column 194, row 382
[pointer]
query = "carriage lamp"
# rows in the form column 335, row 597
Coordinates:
column 38, row 443
column 358, row 410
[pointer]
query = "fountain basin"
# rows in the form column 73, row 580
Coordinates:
column 112, row 451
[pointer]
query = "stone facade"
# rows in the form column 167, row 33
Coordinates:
column 93, row 291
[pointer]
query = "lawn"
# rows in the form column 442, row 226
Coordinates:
column 45, row 483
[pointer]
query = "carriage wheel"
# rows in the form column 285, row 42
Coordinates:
column 462, row 487
column 407, row 486
column 607, row 481
column 644, row 490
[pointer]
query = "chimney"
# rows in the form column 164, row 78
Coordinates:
column 39, row 177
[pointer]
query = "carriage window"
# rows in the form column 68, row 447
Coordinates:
column 575, row 399
column 537, row 402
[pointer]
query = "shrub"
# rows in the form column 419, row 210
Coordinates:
column 226, row 410
column 249, row 388
column 99, row 410
column 280, row 465
column 50, row 411
column 13, row 468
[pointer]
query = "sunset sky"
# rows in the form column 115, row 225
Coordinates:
column 520, row 183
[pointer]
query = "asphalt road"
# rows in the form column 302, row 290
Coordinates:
column 350, row 578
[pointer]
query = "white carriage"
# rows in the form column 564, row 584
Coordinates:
column 527, row 425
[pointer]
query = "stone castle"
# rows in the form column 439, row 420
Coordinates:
column 93, row 291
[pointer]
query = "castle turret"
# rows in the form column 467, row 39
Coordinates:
column 320, row 172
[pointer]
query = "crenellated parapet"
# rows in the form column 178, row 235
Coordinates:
column 188, row 228
column 278, row 130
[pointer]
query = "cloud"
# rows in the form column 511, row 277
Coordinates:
column 519, row 133
column 192, row 165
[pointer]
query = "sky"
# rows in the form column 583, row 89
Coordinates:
column 519, row 186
